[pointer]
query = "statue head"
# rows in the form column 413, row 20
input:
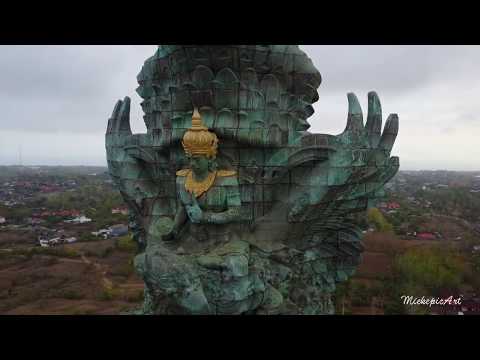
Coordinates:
column 200, row 145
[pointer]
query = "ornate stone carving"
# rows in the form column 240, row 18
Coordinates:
column 237, row 208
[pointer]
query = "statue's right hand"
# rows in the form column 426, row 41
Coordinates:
column 118, row 133
column 122, row 154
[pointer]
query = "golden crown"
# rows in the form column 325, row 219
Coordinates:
column 198, row 140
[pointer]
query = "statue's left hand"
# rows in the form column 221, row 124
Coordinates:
column 358, row 164
column 362, row 152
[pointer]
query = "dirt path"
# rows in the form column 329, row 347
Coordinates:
column 98, row 267
column 132, row 286
column 103, row 273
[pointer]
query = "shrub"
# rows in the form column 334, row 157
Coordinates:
column 124, row 270
column 59, row 251
column 71, row 294
column 82, row 312
column 90, row 253
column 361, row 295
column 51, row 261
column 107, row 252
column 88, row 237
column 126, row 243
column 108, row 293
column 69, row 252
column 135, row 297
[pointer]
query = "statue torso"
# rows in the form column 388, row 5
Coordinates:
column 218, row 197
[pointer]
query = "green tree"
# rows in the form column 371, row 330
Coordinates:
column 342, row 294
column 432, row 269
column 376, row 218
column 17, row 214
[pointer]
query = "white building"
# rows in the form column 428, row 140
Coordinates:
column 79, row 220
column 105, row 233
column 56, row 241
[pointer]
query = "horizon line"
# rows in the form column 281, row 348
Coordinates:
column 106, row 166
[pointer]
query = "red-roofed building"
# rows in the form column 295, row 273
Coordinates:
column 426, row 236
column 61, row 213
column 393, row 205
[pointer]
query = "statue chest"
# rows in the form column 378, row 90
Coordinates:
column 214, row 199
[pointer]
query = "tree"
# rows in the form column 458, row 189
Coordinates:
column 431, row 269
column 342, row 293
column 17, row 214
column 376, row 218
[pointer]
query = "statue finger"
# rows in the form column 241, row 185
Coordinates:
column 389, row 133
column 355, row 115
column 123, row 124
column 374, row 119
column 112, row 122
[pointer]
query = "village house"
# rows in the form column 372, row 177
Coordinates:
column 112, row 231
column 411, row 198
column 60, row 213
column 102, row 232
column 476, row 228
column 390, row 207
column 120, row 210
column 56, row 241
column 118, row 230
column 35, row 221
column 79, row 220
column 44, row 241
column 425, row 236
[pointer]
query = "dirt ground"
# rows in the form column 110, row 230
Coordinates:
column 81, row 278
column 97, row 277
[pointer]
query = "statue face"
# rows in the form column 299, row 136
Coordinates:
column 199, row 164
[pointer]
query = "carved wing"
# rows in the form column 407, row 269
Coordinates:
column 350, row 181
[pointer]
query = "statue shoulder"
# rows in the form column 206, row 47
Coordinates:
column 225, row 173
column 227, row 178
column 183, row 172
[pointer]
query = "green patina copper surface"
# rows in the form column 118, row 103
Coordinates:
column 276, row 237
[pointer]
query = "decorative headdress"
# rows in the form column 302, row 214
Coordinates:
column 198, row 140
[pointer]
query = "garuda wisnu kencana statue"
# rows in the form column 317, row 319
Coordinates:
column 235, row 206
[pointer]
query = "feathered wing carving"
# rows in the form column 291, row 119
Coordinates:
column 358, row 166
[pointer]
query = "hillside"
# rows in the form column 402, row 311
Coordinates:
column 82, row 278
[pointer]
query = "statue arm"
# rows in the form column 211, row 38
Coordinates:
column 224, row 217
column 180, row 219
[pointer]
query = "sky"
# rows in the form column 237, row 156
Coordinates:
column 55, row 101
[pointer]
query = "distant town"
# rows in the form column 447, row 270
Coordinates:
column 49, row 202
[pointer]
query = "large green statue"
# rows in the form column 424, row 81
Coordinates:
column 236, row 207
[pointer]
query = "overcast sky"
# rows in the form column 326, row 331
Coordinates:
column 55, row 100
